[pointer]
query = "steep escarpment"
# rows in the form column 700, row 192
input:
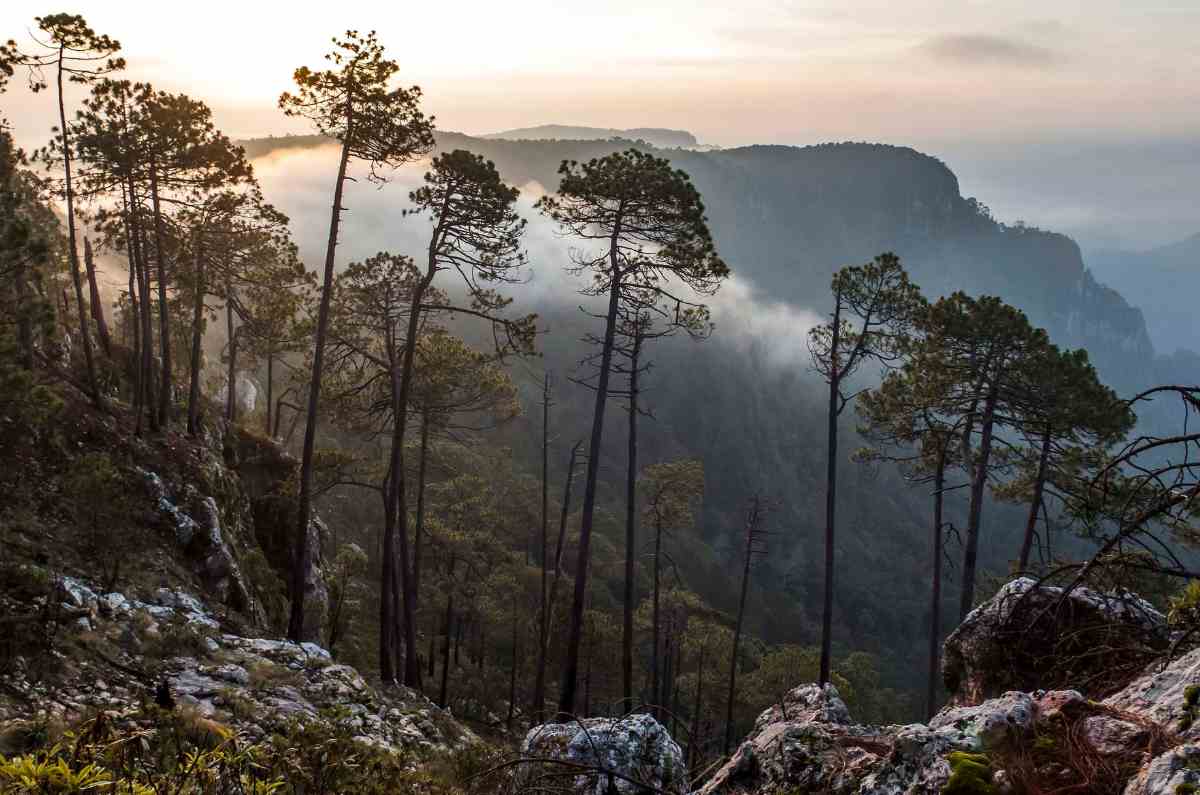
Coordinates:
column 141, row 592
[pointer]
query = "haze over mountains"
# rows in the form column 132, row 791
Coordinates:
column 666, row 139
column 1162, row 281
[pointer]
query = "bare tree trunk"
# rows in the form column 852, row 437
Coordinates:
column 674, row 680
column 201, row 287
column 694, row 732
column 164, row 308
column 97, row 303
column 302, row 553
column 656, row 708
column 978, row 483
column 449, row 628
column 589, row 646
column 432, row 655
column 135, row 324
column 419, row 534
column 458, row 634
column 512, row 674
column 387, row 581
column 935, row 607
column 835, row 378
column 24, row 316
column 570, row 674
column 1035, row 504
column 662, row 698
column 231, row 402
column 148, row 380
column 630, row 527
column 538, row 709
column 72, row 244
column 270, row 388
column 135, row 310
column 544, row 552
column 737, row 637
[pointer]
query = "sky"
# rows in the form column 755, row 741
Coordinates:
column 1077, row 115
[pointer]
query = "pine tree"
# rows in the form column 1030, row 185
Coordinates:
column 77, row 54
column 650, row 222
column 383, row 127
column 874, row 308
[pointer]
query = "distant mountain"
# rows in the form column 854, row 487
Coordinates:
column 665, row 139
column 787, row 217
column 1162, row 282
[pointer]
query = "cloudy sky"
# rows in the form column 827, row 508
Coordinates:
column 1078, row 115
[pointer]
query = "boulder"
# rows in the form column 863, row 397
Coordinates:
column 630, row 754
column 245, row 394
column 810, row 744
column 1028, row 637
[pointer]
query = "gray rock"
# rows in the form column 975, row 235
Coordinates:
column 994, row 721
column 1169, row 773
column 808, row 743
column 637, row 749
column 77, row 595
column 185, row 526
column 232, row 673
column 115, row 604
column 1005, row 643
column 245, row 393
column 1111, row 736
column 1159, row 694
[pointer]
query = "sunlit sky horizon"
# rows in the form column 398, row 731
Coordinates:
column 994, row 87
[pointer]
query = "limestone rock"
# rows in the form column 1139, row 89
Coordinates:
column 1160, row 693
column 257, row 686
column 1176, row 772
column 245, row 393
column 994, row 721
column 636, row 748
column 1012, row 641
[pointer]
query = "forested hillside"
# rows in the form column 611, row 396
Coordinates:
column 747, row 403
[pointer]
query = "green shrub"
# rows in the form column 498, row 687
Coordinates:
column 970, row 774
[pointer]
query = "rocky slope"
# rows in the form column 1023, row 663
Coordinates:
column 160, row 585
column 118, row 653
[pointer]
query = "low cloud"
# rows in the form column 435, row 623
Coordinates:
column 977, row 49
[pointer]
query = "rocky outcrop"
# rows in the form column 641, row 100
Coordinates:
column 1139, row 740
column 245, row 393
column 1177, row 772
column 810, row 744
column 170, row 649
column 629, row 754
column 1028, row 637
column 1166, row 693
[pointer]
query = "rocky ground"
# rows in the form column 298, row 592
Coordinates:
column 118, row 653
